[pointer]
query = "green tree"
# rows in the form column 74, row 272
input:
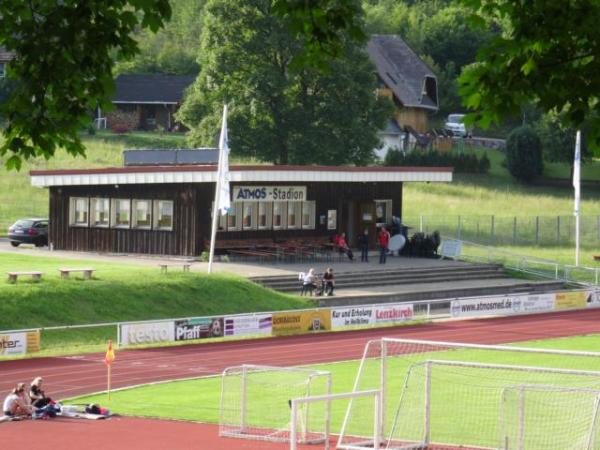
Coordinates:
column 278, row 114
column 547, row 53
column 524, row 154
column 63, row 66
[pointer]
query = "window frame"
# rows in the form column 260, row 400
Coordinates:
column 388, row 212
column 73, row 201
column 283, row 214
column 312, row 206
column 155, row 215
column 114, row 215
column 268, row 206
column 296, row 208
column 133, row 214
column 253, row 215
column 93, row 202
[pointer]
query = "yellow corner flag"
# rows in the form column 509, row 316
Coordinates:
column 110, row 354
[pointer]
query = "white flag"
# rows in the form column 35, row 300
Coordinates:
column 577, row 172
column 224, row 203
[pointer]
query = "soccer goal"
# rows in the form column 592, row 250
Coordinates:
column 256, row 402
column 450, row 395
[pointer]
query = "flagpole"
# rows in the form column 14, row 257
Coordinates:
column 577, row 187
column 215, row 209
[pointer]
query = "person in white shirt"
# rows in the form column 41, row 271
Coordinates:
column 16, row 403
column 309, row 283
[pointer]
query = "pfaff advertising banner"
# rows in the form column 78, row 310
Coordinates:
column 568, row 300
column 201, row 328
column 248, row 325
column 13, row 344
column 147, row 333
column 394, row 313
column 301, row 322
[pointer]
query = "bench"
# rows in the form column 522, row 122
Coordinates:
column 596, row 257
column 87, row 273
column 164, row 267
column 12, row 276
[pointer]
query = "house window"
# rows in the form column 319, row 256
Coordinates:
column 121, row 212
column 308, row 215
column 264, row 215
column 293, row 214
column 142, row 214
column 234, row 217
column 278, row 212
column 163, row 215
column 100, row 209
column 383, row 212
column 79, row 211
column 248, row 216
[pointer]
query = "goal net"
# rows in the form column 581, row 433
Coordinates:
column 256, row 402
column 441, row 395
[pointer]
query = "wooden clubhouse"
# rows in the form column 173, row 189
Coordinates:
column 160, row 203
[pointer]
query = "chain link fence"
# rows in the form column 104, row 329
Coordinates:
column 510, row 230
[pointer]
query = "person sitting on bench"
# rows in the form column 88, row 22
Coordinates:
column 309, row 282
column 343, row 246
column 328, row 282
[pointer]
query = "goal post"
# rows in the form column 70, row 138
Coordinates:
column 449, row 393
column 297, row 424
column 256, row 402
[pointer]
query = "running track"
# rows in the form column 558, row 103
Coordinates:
column 69, row 376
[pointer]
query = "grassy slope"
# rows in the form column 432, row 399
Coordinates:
column 121, row 292
column 199, row 399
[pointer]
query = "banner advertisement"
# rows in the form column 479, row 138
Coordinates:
column 593, row 299
column 201, row 328
column 33, row 341
column 394, row 313
column 147, row 333
column 474, row 307
column 301, row 322
column 269, row 193
column 537, row 303
column 349, row 317
column 13, row 344
column 568, row 300
column 248, row 325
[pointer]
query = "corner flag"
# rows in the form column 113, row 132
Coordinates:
column 110, row 354
column 224, row 203
column 577, row 187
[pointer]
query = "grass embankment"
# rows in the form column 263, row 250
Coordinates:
column 119, row 292
column 199, row 399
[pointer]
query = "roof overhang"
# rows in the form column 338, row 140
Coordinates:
column 238, row 174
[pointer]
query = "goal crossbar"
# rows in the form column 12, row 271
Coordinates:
column 296, row 402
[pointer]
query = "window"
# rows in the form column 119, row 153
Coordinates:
column 248, row 216
column 278, row 213
column 234, row 217
column 163, row 215
column 383, row 212
column 264, row 215
column 121, row 213
column 293, row 214
column 100, row 208
column 308, row 215
column 142, row 214
column 79, row 208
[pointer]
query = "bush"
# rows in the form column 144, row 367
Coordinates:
column 462, row 162
column 524, row 154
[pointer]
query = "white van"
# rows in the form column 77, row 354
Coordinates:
column 454, row 124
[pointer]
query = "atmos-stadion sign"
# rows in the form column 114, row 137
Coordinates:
column 269, row 193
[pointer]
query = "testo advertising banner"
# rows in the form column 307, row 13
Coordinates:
column 147, row 333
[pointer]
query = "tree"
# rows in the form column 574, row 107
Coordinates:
column 63, row 66
column 278, row 114
column 548, row 52
column 524, row 154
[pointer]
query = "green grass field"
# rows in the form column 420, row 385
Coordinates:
column 119, row 292
column 465, row 403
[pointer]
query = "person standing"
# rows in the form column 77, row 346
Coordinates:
column 363, row 242
column 383, row 239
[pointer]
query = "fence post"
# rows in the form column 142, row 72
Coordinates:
column 421, row 223
column 493, row 230
column 558, row 229
column 515, row 230
column 537, row 230
column 459, row 228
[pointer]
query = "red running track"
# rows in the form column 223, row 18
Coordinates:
column 69, row 376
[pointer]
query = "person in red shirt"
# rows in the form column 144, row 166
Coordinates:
column 383, row 239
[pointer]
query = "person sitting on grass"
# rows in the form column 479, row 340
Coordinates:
column 17, row 403
column 37, row 395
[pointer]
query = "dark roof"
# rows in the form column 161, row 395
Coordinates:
column 6, row 55
column 154, row 88
column 413, row 83
column 178, row 156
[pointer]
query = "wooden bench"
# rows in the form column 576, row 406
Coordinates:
column 12, row 276
column 596, row 257
column 87, row 273
column 164, row 267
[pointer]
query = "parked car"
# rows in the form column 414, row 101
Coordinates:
column 29, row 231
column 454, row 124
